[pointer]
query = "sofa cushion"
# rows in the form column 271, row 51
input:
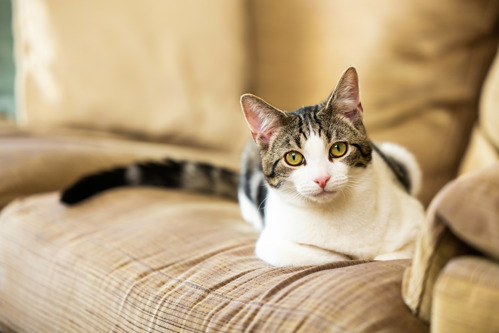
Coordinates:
column 471, row 210
column 421, row 67
column 462, row 219
column 466, row 296
column 152, row 260
column 489, row 117
column 480, row 152
column 43, row 161
column 483, row 149
column 171, row 71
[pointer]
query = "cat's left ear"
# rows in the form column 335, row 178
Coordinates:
column 345, row 98
column 263, row 119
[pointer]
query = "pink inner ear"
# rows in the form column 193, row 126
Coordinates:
column 262, row 118
column 262, row 137
column 346, row 98
column 355, row 113
column 266, row 136
column 253, row 116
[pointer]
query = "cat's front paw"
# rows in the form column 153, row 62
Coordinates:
column 291, row 254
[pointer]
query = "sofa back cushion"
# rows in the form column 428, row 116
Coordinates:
column 489, row 105
column 162, row 70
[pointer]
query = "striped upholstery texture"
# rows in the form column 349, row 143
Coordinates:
column 133, row 260
column 467, row 296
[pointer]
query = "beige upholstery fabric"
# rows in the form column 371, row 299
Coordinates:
column 40, row 162
column 483, row 149
column 472, row 211
column 421, row 67
column 489, row 117
column 165, row 70
column 480, row 152
column 157, row 261
column 462, row 219
column 467, row 297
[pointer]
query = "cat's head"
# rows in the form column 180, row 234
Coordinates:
column 313, row 153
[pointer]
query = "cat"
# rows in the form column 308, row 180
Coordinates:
column 311, row 181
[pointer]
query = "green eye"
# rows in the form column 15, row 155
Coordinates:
column 294, row 158
column 338, row 149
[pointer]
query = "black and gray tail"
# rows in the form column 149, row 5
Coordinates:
column 403, row 165
column 186, row 175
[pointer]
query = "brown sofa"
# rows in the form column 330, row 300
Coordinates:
column 103, row 83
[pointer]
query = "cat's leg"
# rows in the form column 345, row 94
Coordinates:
column 282, row 253
column 394, row 255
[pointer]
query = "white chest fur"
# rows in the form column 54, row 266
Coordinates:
column 374, row 219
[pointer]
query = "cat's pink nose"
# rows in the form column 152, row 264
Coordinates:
column 322, row 181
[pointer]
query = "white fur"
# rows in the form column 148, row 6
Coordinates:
column 362, row 213
column 249, row 211
column 318, row 165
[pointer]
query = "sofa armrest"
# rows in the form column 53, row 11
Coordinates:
column 466, row 296
column 462, row 219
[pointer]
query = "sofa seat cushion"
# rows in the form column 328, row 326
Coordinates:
column 131, row 260
column 40, row 160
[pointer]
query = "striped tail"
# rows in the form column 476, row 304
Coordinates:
column 185, row 175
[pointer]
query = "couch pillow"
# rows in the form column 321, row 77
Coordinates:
column 421, row 67
column 163, row 70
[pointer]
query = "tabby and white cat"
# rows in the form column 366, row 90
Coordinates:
column 311, row 180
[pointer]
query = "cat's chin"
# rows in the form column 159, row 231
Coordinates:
column 322, row 197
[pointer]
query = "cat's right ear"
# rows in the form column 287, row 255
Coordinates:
column 345, row 99
column 263, row 119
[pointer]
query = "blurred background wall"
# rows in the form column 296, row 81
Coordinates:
column 7, row 69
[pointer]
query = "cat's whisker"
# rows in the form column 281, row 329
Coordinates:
column 262, row 203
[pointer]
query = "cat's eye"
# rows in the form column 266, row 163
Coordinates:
column 294, row 158
column 338, row 149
